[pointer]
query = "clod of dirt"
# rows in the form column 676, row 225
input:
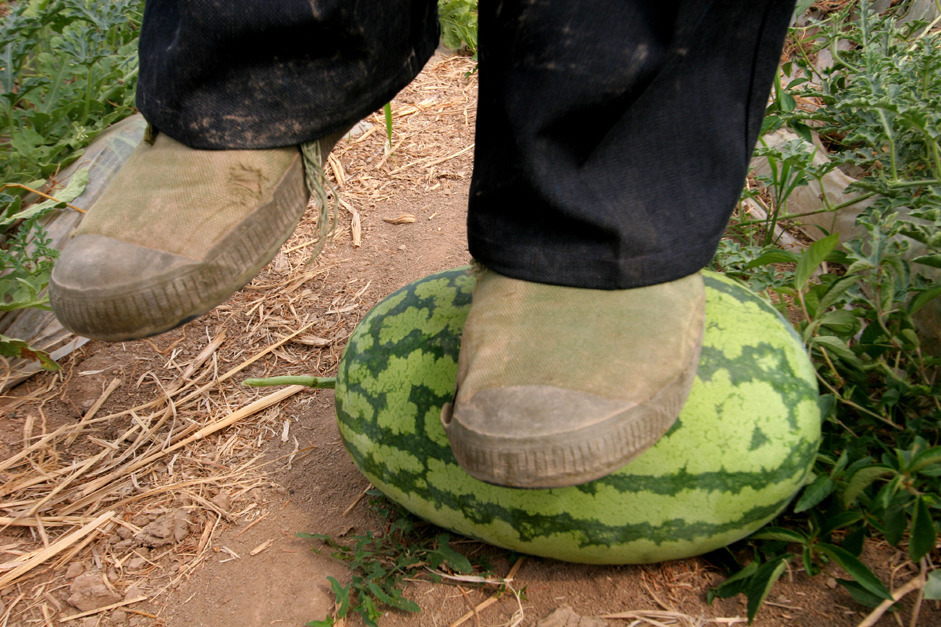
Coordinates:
column 134, row 591
column 135, row 563
column 221, row 501
column 124, row 533
column 89, row 592
column 167, row 529
column 565, row 616
column 74, row 570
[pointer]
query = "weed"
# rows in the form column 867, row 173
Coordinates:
column 68, row 70
column 380, row 564
column 459, row 24
column 878, row 468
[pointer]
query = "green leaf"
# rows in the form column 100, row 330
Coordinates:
column 839, row 348
column 862, row 479
column 860, row 594
column 761, row 584
column 779, row 533
column 853, row 541
column 843, row 519
column 820, row 489
column 826, row 403
column 836, row 290
column 770, row 257
column 811, row 259
column 856, row 569
column 923, row 299
column 803, row 6
column 342, row 594
column 770, row 123
column 736, row 584
column 889, row 492
column 925, row 458
column 455, row 560
column 12, row 347
column 840, row 321
column 73, row 190
column 933, row 260
column 802, row 130
column 932, row 588
column 387, row 110
column 395, row 599
column 923, row 533
column 807, row 557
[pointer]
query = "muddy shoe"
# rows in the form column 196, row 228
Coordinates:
column 177, row 231
column 558, row 386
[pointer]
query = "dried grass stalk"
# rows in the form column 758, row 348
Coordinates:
column 28, row 562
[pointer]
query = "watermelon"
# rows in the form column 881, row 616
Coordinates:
column 742, row 447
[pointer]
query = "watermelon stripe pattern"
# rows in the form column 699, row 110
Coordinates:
column 741, row 448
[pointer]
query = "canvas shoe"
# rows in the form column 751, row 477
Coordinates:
column 177, row 231
column 558, row 386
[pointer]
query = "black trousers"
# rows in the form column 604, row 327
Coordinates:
column 613, row 136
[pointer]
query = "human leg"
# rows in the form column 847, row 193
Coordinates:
column 612, row 145
column 231, row 90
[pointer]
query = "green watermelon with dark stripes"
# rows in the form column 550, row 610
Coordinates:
column 742, row 447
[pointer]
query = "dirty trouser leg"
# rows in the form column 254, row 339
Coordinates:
column 200, row 207
column 613, row 137
column 260, row 74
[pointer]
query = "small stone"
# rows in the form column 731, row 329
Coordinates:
column 359, row 128
column 88, row 592
column 403, row 247
column 831, row 583
column 118, row 616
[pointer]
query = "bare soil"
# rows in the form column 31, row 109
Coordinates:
column 204, row 534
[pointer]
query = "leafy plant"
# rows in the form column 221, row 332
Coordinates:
column 880, row 104
column 68, row 70
column 380, row 564
column 877, row 475
column 458, row 24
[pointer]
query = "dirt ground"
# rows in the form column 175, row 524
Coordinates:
column 120, row 471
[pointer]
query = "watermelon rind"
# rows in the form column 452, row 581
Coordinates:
column 742, row 446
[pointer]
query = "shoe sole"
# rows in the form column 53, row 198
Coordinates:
column 148, row 308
